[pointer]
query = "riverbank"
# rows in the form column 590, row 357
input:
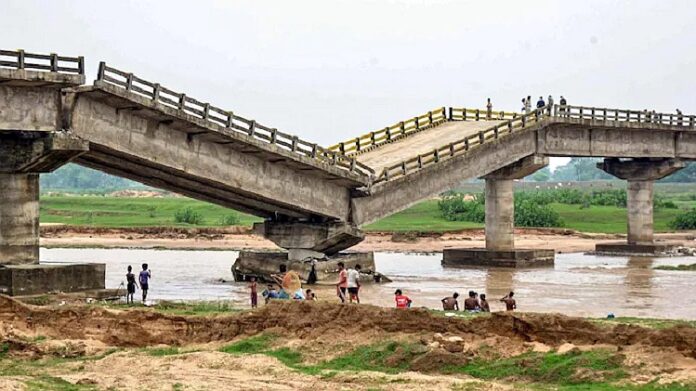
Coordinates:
column 323, row 346
column 240, row 238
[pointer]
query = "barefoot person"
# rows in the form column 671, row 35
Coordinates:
column 402, row 301
column 510, row 303
column 145, row 276
column 253, row 292
column 130, row 285
column 342, row 284
column 471, row 304
column 353, row 285
column 450, row 303
column 484, row 303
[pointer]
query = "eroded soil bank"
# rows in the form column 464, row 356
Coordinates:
column 315, row 345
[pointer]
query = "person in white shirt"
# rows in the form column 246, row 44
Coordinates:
column 354, row 283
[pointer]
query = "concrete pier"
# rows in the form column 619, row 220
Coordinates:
column 500, row 248
column 19, row 219
column 641, row 175
column 500, row 215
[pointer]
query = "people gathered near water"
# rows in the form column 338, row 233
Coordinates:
column 289, row 286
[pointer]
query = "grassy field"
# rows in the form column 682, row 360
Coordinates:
column 99, row 211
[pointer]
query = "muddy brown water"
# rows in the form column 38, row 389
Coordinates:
column 581, row 285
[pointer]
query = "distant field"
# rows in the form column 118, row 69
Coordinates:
column 99, row 211
column 114, row 212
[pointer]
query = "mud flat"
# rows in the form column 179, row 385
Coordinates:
column 240, row 238
column 324, row 346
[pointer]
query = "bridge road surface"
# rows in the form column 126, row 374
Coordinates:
column 420, row 143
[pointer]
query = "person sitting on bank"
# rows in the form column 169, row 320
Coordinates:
column 450, row 303
column 510, row 303
column 471, row 304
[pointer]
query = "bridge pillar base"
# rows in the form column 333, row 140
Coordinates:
column 641, row 175
column 637, row 250
column 455, row 257
column 305, row 239
column 262, row 265
column 23, row 155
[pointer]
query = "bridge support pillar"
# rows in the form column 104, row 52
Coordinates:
column 23, row 156
column 641, row 175
column 310, row 240
column 500, row 223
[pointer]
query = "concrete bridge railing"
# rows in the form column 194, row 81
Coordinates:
column 21, row 60
column 227, row 119
column 517, row 123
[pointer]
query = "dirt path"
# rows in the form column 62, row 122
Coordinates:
column 241, row 239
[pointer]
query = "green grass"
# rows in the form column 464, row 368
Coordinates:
column 646, row 322
column 196, row 308
column 550, row 368
column 253, row 345
column 131, row 212
column 50, row 383
column 691, row 267
column 425, row 216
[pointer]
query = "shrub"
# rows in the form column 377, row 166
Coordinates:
column 188, row 216
column 686, row 220
column 231, row 219
column 531, row 214
column 453, row 207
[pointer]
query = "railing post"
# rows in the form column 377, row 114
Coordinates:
column 129, row 82
column 342, row 148
column 352, row 164
column 450, row 113
column 156, row 93
column 294, row 143
column 616, row 115
column 604, row 114
column 451, row 148
column 420, row 162
column 430, row 117
column 691, row 121
column 509, row 125
column 482, row 138
column 555, row 110
column 463, row 113
column 581, row 115
column 102, row 69
column 466, row 145
column 416, row 120
column 436, row 156
column 81, row 65
column 274, row 135
column 182, row 101
column 54, row 62
column 478, row 114
column 206, row 110
column 403, row 167
column 314, row 151
column 495, row 132
column 593, row 114
column 387, row 130
column 357, row 144
column 402, row 127
column 20, row 59
column 230, row 117
column 524, row 120
column 372, row 138
column 252, row 128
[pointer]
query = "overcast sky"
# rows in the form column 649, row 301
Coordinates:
column 330, row 70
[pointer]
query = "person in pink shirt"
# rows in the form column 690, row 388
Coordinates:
column 342, row 284
column 402, row 301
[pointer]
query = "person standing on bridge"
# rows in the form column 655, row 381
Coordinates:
column 528, row 104
column 524, row 106
column 550, row 104
column 489, row 110
column 540, row 105
column 562, row 109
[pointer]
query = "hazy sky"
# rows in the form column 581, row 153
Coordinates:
column 330, row 70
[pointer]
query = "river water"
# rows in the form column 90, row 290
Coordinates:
column 578, row 284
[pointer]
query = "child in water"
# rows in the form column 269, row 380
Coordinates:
column 130, row 284
column 402, row 301
column 253, row 290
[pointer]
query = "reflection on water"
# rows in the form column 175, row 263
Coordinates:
column 577, row 285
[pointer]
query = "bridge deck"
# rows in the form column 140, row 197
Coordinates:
column 421, row 143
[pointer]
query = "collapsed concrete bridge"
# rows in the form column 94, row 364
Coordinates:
column 313, row 199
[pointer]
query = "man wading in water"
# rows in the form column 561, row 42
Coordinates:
column 510, row 303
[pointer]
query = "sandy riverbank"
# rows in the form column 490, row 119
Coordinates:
column 562, row 241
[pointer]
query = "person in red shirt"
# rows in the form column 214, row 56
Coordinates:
column 402, row 301
column 342, row 284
